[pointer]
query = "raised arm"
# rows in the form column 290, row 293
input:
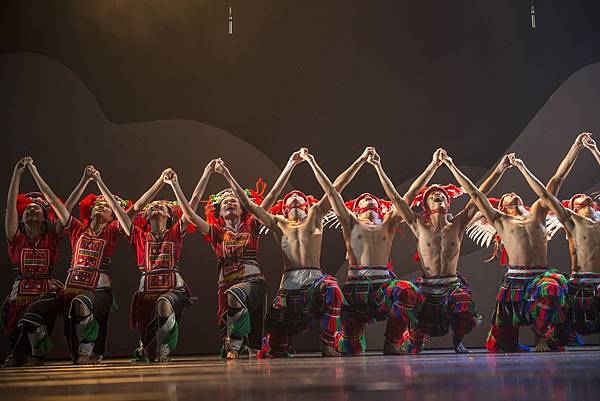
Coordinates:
column 274, row 193
column 480, row 199
column 401, row 206
column 342, row 181
column 147, row 197
column 486, row 187
column 121, row 215
column 337, row 203
column 567, row 164
column 424, row 178
column 261, row 214
column 548, row 197
column 59, row 208
column 170, row 178
column 590, row 144
column 202, row 183
column 11, row 220
column 77, row 192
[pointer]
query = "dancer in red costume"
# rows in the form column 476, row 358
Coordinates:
column 234, row 235
column 33, row 233
column 306, row 291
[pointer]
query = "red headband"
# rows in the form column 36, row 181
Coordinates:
column 281, row 207
column 24, row 200
column 383, row 205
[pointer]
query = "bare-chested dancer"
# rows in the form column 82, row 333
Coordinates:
column 306, row 291
column 531, row 293
column 581, row 219
column 448, row 301
column 371, row 292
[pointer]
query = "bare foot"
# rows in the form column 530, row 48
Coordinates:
column 329, row 351
column 96, row 358
column 541, row 345
column 233, row 354
column 84, row 360
column 389, row 348
column 163, row 359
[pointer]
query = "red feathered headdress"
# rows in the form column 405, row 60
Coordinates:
column 87, row 204
column 383, row 207
column 24, row 200
column 282, row 209
column 213, row 204
column 450, row 191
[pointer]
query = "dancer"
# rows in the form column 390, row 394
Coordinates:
column 87, row 298
column 580, row 217
column 306, row 292
column 371, row 292
column 234, row 236
column 531, row 293
column 162, row 295
column 447, row 295
column 29, row 312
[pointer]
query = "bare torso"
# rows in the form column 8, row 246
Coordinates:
column 525, row 239
column 370, row 244
column 300, row 242
column 586, row 239
column 439, row 247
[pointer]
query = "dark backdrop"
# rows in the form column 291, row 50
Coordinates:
column 137, row 86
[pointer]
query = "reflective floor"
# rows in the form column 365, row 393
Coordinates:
column 431, row 376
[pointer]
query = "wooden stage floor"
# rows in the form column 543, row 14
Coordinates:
column 431, row 376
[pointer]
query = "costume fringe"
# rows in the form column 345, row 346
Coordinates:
column 45, row 344
column 173, row 338
column 242, row 326
column 408, row 346
column 90, row 332
column 352, row 346
column 402, row 297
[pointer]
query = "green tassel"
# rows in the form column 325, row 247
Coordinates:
column 242, row 327
column 114, row 307
column 139, row 357
column 173, row 337
column 45, row 344
column 515, row 319
column 90, row 333
column 363, row 343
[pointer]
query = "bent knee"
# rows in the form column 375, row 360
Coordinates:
column 164, row 308
column 79, row 308
column 232, row 301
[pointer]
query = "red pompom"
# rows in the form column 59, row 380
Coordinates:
column 85, row 208
column 22, row 202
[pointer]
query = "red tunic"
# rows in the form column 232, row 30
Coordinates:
column 237, row 256
column 91, row 253
column 157, row 259
column 32, row 262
